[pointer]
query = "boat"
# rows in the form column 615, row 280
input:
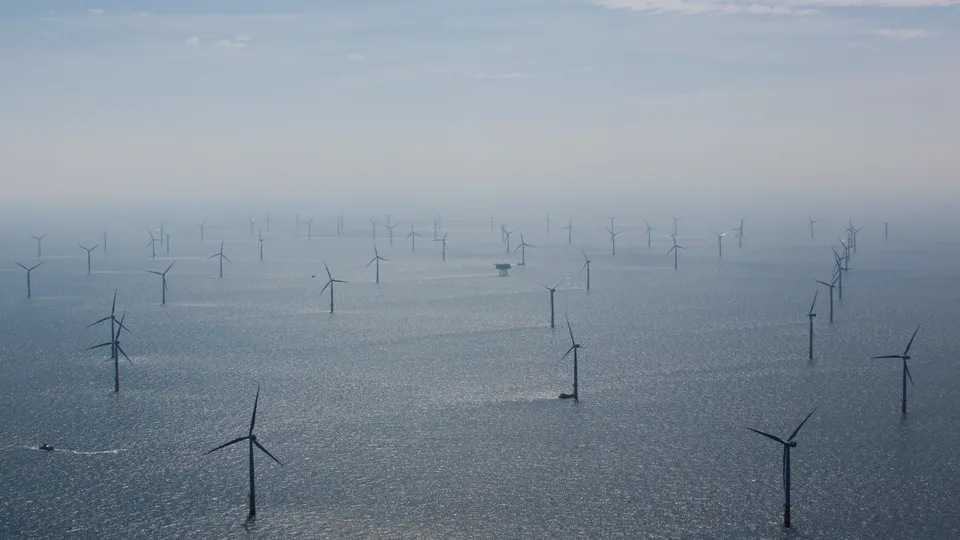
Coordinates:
column 567, row 396
column 45, row 448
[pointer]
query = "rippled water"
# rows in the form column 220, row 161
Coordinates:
column 425, row 407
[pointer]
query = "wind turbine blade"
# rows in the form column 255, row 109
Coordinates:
column 886, row 356
column 324, row 288
column 214, row 255
column 120, row 325
column 169, row 267
column 235, row 441
column 907, row 369
column 823, row 283
column 907, row 350
column 767, row 435
column 339, row 281
column 36, row 266
column 226, row 258
column 371, row 262
column 124, row 354
column 100, row 345
column 98, row 322
column 814, row 300
column 153, row 272
column 570, row 350
column 253, row 418
column 384, row 260
column 24, row 267
column 267, row 452
column 329, row 275
column 558, row 284
column 794, row 434
column 584, row 267
column 570, row 328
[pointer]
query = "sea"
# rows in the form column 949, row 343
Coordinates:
column 426, row 406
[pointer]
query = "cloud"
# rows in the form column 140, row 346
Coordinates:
column 227, row 44
column 355, row 57
column 903, row 33
column 192, row 40
column 759, row 7
column 500, row 76
column 241, row 37
column 96, row 11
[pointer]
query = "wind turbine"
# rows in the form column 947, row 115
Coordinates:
column 297, row 218
column 161, row 234
column 310, row 227
column 569, row 228
column 648, row 231
column 720, row 244
column 252, row 222
column 166, row 245
column 260, row 244
column 491, row 224
column 552, row 290
column 252, row 439
column 839, row 272
column 906, row 370
column 443, row 241
column 339, row 223
column 202, row 225
column 508, row 233
column 390, row 229
column 39, row 240
column 811, row 315
column 114, row 344
column 522, row 248
column 221, row 256
column 31, row 269
column 886, row 231
column 439, row 221
column 88, row 250
column 104, row 240
column 675, row 220
column 113, row 322
column 547, row 219
column 613, row 240
column 374, row 225
column 812, row 221
column 413, row 238
column 376, row 259
column 831, row 287
column 573, row 348
column 740, row 233
column 586, row 266
column 612, row 219
column 388, row 216
column 330, row 282
column 787, row 445
column 268, row 222
column 676, row 252
column 152, row 244
column 163, row 278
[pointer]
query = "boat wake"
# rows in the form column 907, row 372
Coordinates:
column 77, row 452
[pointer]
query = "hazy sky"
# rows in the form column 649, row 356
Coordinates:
column 311, row 100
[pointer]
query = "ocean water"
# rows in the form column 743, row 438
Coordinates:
column 425, row 406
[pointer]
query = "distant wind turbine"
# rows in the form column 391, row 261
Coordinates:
column 310, row 227
column 104, row 240
column 260, row 244
column 811, row 315
column 443, row 242
column 675, row 221
column 166, row 244
column 296, row 217
column 787, row 445
column 522, row 248
column 339, row 223
column 570, row 230
column 88, row 250
column 29, row 270
column 720, row 244
column 573, row 349
column 648, row 232
column 39, row 240
column 676, row 253
column 376, row 259
column 508, row 233
column 252, row 440
column 390, row 229
column 613, row 240
column 906, row 370
column 202, row 226
column 551, row 290
column 612, row 219
column 413, row 238
column 839, row 272
column 114, row 345
column 586, row 266
column 222, row 257
column 163, row 279
column 252, row 222
column 330, row 282
column 152, row 244
column 491, row 224
column 547, row 219
column 374, row 226
column 113, row 322
column 831, row 287
column 812, row 221
column 740, row 233
column 268, row 222
column 886, row 231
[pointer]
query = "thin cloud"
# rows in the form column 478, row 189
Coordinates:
column 759, row 7
column 241, row 37
column 355, row 57
column 903, row 33
column 227, row 44
column 96, row 11
column 192, row 40
column 500, row 76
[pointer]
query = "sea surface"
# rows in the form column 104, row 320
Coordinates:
column 426, row 405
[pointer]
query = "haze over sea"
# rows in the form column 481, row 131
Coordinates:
column 425, row 406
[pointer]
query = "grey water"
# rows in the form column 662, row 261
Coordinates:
column 426, row 406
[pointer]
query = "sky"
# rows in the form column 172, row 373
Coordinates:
column 280, row 101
